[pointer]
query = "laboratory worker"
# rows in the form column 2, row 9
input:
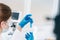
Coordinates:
column 19, row 34
column 5, row 13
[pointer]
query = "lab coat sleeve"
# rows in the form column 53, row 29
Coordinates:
column 18, row 35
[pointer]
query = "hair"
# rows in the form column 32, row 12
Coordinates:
column 5, row 12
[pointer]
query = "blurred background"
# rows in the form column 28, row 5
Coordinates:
column 43, row 11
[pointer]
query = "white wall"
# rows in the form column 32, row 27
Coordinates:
column 43, row 8
column 40, row 10
column 16, row 5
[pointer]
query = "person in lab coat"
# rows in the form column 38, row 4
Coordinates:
column 5, row 14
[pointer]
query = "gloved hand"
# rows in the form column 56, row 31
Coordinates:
column 29, row 36
column 26, row 20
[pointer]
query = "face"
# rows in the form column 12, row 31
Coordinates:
column 4, row 26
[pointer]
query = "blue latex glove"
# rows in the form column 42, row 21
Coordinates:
column 29, row 36
column 26, row 20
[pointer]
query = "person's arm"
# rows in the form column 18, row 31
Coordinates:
column 19, row 28
column 18, row 33
column 25, row 21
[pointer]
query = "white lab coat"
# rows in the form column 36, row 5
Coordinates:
column 5, row 35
